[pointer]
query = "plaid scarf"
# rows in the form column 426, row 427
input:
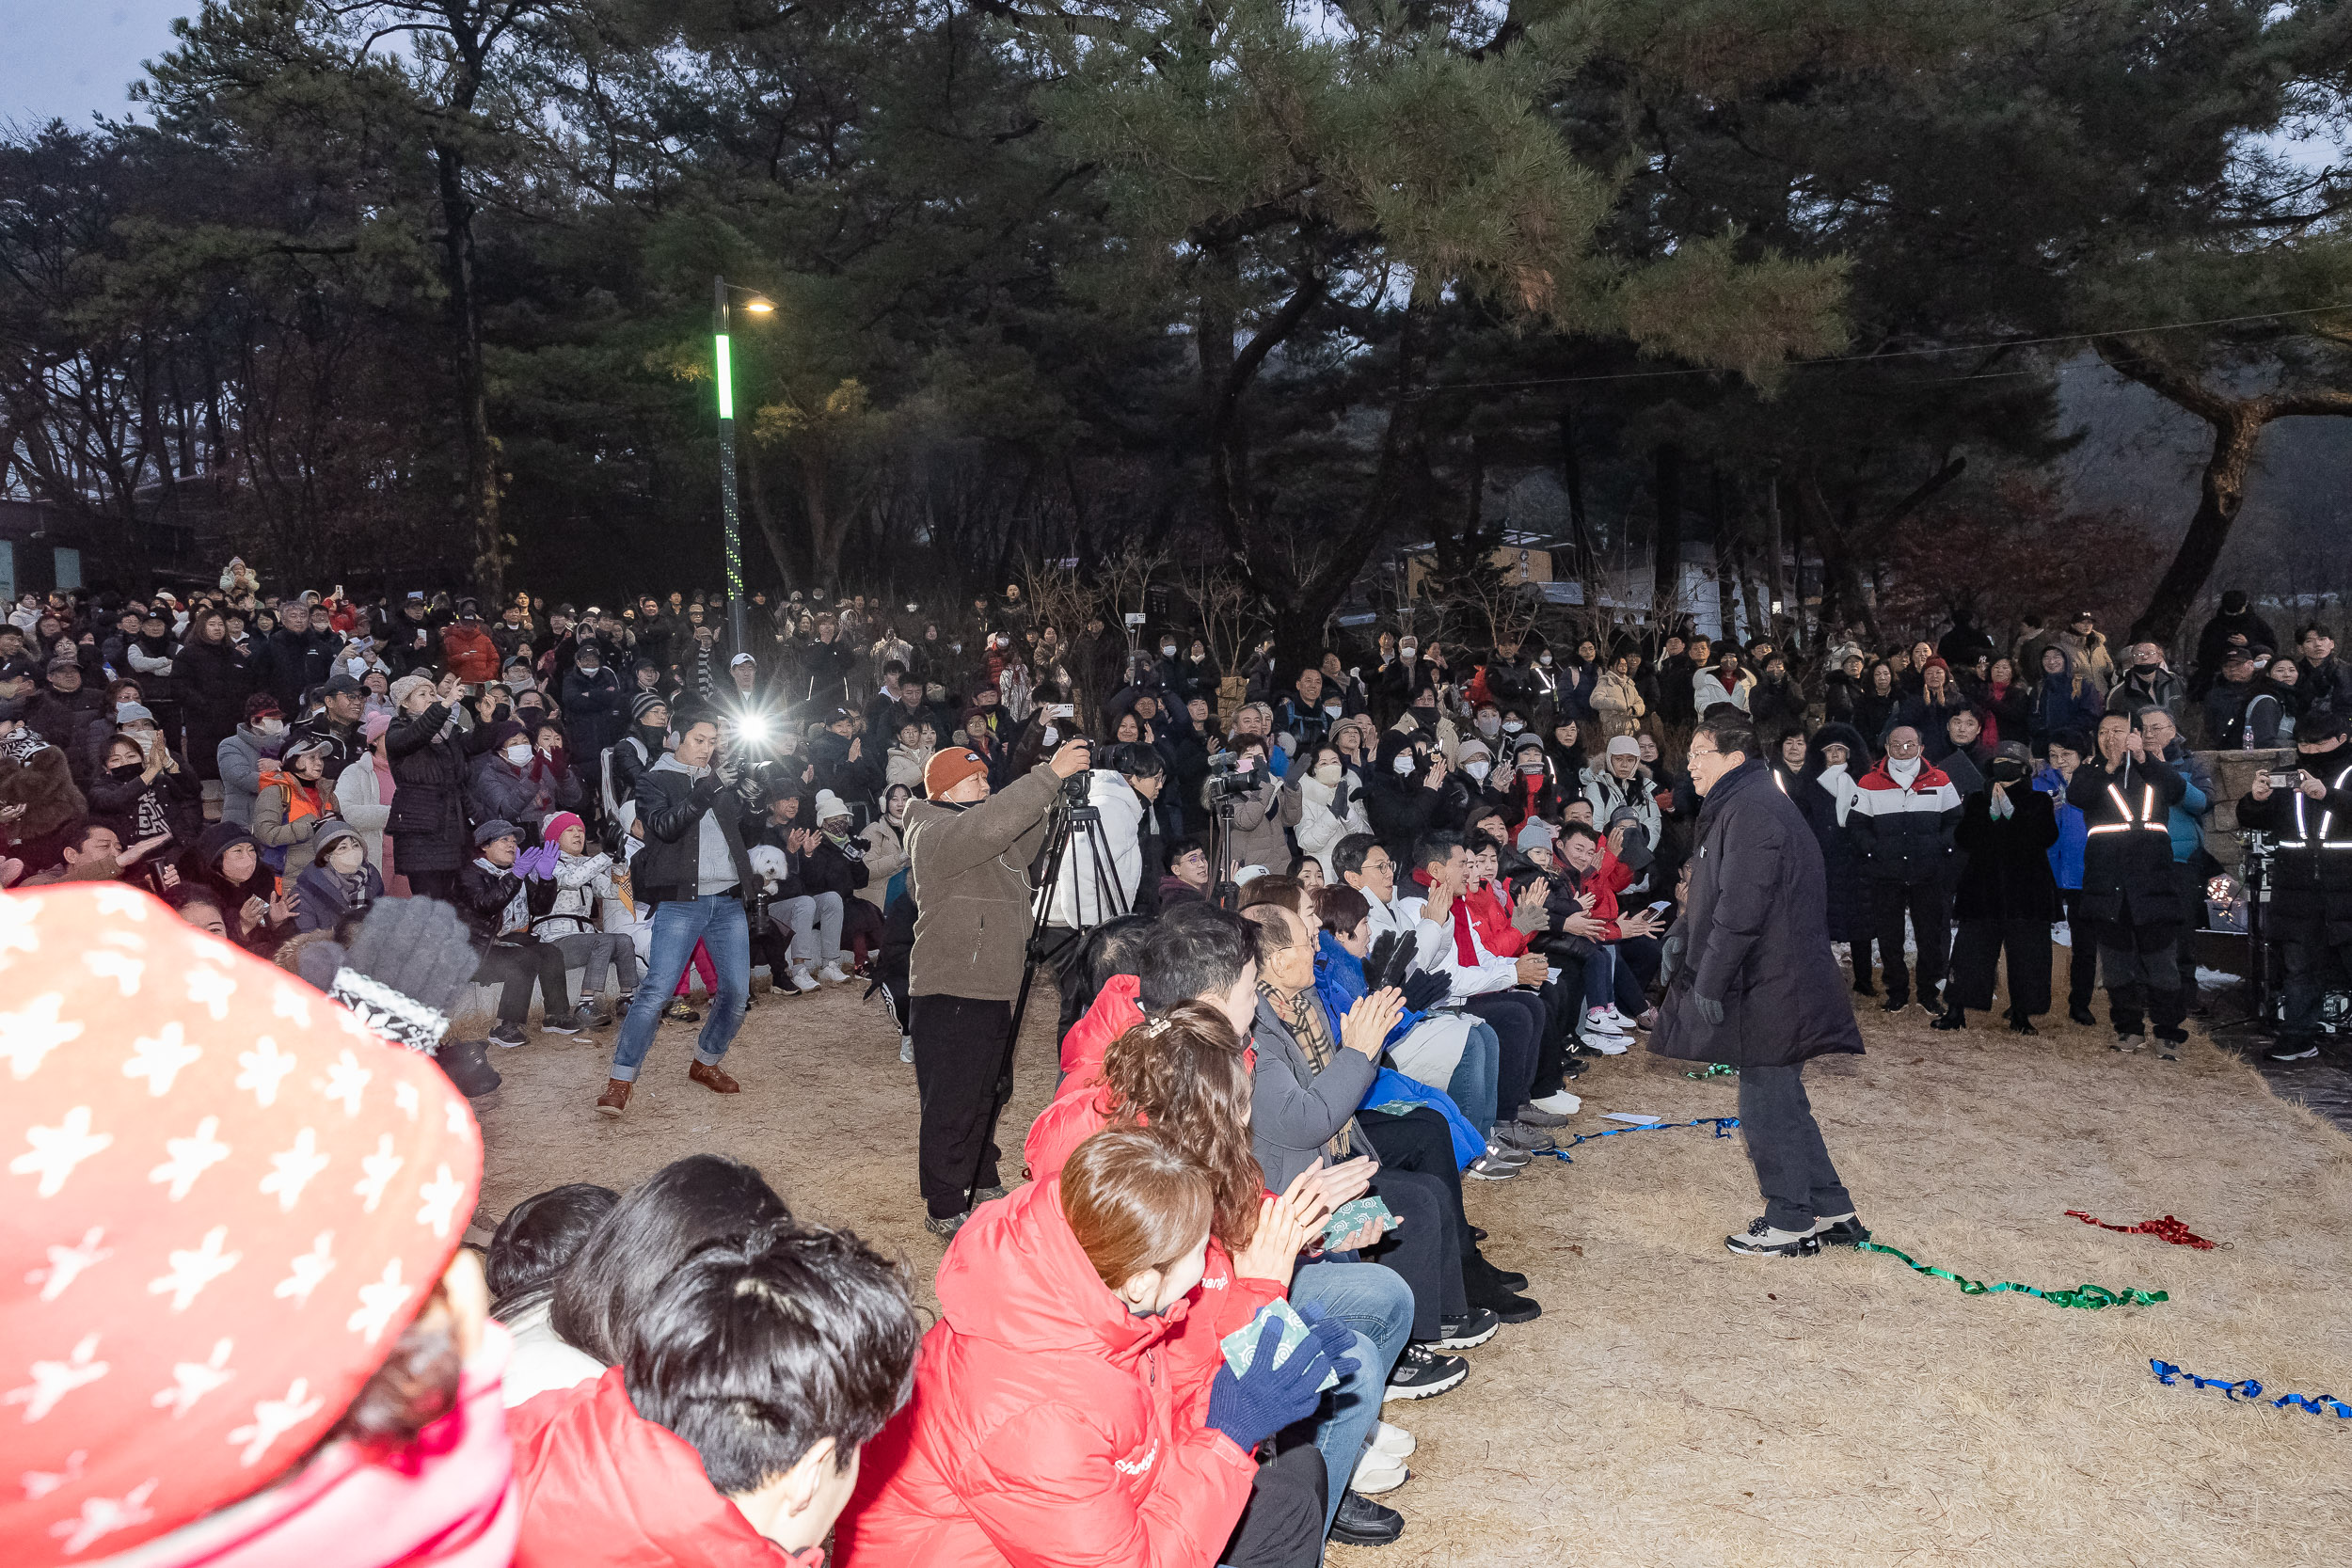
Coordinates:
column 1302, row 1014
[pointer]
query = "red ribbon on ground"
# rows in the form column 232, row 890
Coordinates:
column 2168, row 1229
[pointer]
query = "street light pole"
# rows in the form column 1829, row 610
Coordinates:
column 727, row 504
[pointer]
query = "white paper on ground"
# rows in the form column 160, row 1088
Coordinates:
column 1627, row 1116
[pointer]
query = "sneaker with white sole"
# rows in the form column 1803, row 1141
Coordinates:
column 1487, row 1168
column 1469, row 1331
column 1510, row 1155
column 1422, row 1372
column 1615, row 1016
column 1560, row 1104
column 509, row 1036
column 802, row 979
column 834, row 975
column 1376, row 1473
column 1394, row 1441
column 1761, row 1240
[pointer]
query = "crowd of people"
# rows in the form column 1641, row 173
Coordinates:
column 1335, row 940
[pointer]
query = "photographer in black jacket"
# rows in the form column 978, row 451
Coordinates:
column 2311, row 882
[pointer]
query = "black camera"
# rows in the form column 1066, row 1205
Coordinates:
column 1232, row 776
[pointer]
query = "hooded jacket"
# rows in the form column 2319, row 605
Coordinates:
column 602, row 1487
column 469, row 654
column 2007, row 875
column 1049, row 1425
column 427, row 824
column 1824, row 798
column 1903, row 831
column 1754, row 933
column 239, row 760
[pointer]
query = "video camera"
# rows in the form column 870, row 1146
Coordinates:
column 1232, row 777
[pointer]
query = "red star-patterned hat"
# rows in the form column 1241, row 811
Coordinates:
column 222, row 1200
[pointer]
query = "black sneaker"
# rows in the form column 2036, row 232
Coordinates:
column 1761, row 1241
column 560, row 1023
column 1361, row 1522
column 1504, row 1302
column 1510, row 1279
column 1466, row 1332
column 2081, row 1014
column 2291, row 1050
column 1422, row 1372
column 1951, row 1018
column 509, row 1036
column 1895, row 1003
column 1845, row 1232
column 1572, row 1067
column 2020, row 1025
column 680, row 1011
column 468, row 1065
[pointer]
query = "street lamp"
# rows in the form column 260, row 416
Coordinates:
column 758, row 305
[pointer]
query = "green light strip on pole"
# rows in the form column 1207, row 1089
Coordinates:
column 726, row 379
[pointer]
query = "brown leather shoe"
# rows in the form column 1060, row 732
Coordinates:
column 713, row 1079
column 614, row 1099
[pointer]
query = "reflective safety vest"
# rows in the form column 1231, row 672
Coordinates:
column 2149, row 818
column 2324, row 835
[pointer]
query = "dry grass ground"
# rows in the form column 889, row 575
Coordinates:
column 1676, row 1406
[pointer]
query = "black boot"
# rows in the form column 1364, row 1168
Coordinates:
column 2080, row 1012
column 468, row 1065
column 2020, row 1024
column 1951, row 1018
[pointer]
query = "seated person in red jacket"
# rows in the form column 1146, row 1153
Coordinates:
column 760, row 1369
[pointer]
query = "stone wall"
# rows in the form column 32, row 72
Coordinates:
column 2234, row 775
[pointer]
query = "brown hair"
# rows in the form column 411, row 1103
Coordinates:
column 1184, row 1076
column 1273, row 888
column 1134, row 1201
column 1342, row 908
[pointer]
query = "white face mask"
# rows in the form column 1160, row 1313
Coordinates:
column 1329, row 773
column 1404, row 763
column 1332, row 708
column 519, row 754
column 1488, row 724
column 1407, row 652
column 1478, row 769
column 272, row 726
column 347, row 859
column 1168, row 650
column 1546, row 659
column 1512, row 726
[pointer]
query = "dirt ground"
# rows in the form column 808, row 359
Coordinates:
column 1677, row 1406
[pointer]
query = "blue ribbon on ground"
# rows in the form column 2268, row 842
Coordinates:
column 1723, row 1126
column 2247, row 1389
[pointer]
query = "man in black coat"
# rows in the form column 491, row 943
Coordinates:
column 296, row 658
column 2007, row 896
column 2131, row 900
column 2309, row 914
column 1754, row 985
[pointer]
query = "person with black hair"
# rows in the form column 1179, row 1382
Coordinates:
column 2132, row 905
column 1090, row 889
column 1757, row 988
column 759, row 1367
column 1187, row 874
column 2311, row 897
column 534, row 1244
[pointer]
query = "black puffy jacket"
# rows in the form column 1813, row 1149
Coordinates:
column 2008, row 876
column 2310, row 880
column 2127, row 857
column 1903, row 834
column 428, row 815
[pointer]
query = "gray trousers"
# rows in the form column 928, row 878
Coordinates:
column 815, row 922
column 592, row 951
column 1792, row 1165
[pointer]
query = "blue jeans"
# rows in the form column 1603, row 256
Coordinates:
column 1371, row 1299
column 1472, row 1086
column 718, row 922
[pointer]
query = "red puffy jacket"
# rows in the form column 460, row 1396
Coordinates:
column 468, row 652
column 1113, row 1014
column 1050, row 1425
column 602, row 1487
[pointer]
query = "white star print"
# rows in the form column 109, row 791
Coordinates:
column 39, row 1483
column 114, row 898
column 291, row 1170
column 16, row 926
column 290, row 1003
column 66, row 1264
column 210, row 989
column 54, row 1380
column 27, row 1038
column 309, row 1269
column 405, row 1098
column 191, row 1157
column 344, row 1080
column 192, row 1380
column 380, row 1166
column 159, row 1058
column 455, row 1119
column 274, row 1418
column 440, row 1196
column 103, row 1517
column 377, row 1303
column 58, row 1150
column 265, row 1067
column 191, row 1271
column 122, row 970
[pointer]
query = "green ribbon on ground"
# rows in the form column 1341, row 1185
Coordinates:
column 1720, row 1070
column 2090, row 1298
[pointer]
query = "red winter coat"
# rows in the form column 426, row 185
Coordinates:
column 1490, row 912
column 602, row 1487
column 469, row 653
column 1113, row 1014
column 1050, row 1426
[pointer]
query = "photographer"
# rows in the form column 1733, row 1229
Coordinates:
column 1127, row 795
column 1259, row 808
column 2310, row 808
column 968, row 857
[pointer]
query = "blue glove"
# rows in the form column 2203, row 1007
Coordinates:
column 1332, row 1335
column 1254, row 1406
column 1424, row 990
column 1708, row 1007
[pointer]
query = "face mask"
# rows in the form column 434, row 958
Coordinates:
column 1329, row 773
column 1488, row 724
column 1478, row 770
column 519, row 754
column 1407, row 654
column 347, row 859
column 272, row 726
column 1332, row 709
column 1545, row 659
column 1168, row 650
column 1404, row 763
column 124, row 771
column 1533, row 767
column 145, row 739
column 1512, row 726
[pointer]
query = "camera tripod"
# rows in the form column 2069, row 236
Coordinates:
column 1071, row 817
column 2255, row 869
